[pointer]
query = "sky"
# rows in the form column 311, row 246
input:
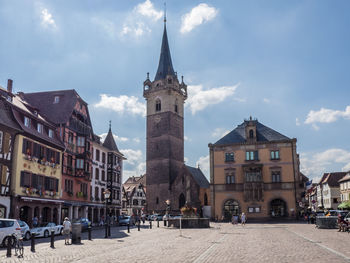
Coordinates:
column 285, row 63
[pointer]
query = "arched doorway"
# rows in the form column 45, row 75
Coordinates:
column 24, row 214
column 231, row 207
column 46, row 215
column 278, row 208
column 182, row 201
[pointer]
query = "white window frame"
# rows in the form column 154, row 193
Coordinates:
column 50, row 133
column 80, row 141
column 40, row 128
column 56, row 99
column 26, row 121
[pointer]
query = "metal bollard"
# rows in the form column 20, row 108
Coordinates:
column 164, row 222
column 52, row 245
column 106, row 231
column 89, row 233
column 138, row 226
column 150, row 224
column 9, row 246
column 157, row 223
column 128, row 228
column 109, row 230
column 32, row 244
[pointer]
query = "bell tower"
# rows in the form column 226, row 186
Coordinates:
column 165, row 97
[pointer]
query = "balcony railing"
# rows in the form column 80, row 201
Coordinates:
column 79, row 126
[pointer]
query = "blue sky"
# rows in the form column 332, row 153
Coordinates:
column 285, row 63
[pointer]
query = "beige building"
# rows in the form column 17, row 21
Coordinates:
column 255, row 170
column 345, row 188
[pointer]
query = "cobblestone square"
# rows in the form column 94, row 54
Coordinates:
column 223, row 242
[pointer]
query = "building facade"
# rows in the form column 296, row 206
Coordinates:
column 134, row 195
column 255, row 170
column 345, row 188
column 36, row 172
column 8, row 131
column 70, row 114
column 329, row 189
column 107, row 173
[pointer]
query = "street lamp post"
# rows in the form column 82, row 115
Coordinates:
column 106, row 193
column 167, row 210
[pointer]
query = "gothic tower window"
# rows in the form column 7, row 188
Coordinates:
column 251, row 134
column 175, row 107
column 158, row 105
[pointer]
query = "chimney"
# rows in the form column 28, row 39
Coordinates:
column 9, row 85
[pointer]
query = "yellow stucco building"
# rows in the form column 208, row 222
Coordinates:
column 37, row 172
column 255, row 170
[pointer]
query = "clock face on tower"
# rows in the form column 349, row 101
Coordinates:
column 157, row 119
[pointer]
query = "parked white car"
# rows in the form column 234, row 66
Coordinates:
column 25, row 230
column 8, row 227
column 45, row 230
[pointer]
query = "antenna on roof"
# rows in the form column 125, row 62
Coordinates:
column 164, row 12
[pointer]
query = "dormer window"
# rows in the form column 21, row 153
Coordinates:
column 26, row 121
column 158, row 105
column 39, row 128
column 251, row 134
column 50, row 133
column 56, row 99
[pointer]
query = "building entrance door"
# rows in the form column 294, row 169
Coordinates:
column 231, row 207
column 278, row 208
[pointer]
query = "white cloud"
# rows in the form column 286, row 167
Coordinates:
column 138, row 170
column 327, row 115
column 139, row 21
column 137, row 140
column 315, row 164
column 133, row 156
column 203, row 163
column 266, row 100
column 186, row 159
column 197, row 16
column 135, row 163
column 122, row 104
column 147, row 9
column 219, row 132
column 116, row 137
column 199, row 99
column 297, row 122
column 47, row 20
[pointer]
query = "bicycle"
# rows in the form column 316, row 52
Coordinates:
column 18, row 245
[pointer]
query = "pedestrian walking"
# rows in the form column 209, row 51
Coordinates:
column 243, row 219
column 235, row 219
column 67, row 228
column 35, row 221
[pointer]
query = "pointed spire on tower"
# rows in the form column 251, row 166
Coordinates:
column 165, row 66
column 109, row 142
column 164, row 13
